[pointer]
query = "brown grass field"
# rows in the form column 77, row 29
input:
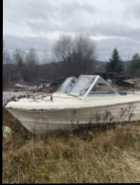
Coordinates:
column 107, row 156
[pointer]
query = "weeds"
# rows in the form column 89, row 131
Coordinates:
column 106, row 156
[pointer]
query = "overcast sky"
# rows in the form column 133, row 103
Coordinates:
column 111, row 23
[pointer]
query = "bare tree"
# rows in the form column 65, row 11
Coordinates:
column 77, row 55
column 31, row 60
column 18, row 57
column 31, row 57
column 83, row 55
column 19, row 62
column 134, row 65
column 63, row 48
column 6, row 56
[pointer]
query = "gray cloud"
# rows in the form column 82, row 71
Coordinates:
column 126, row 48
column 61, row 18
column 117, row 21
column 134, row 11
column 117, row 30
column 137, row 12
column 47, row 15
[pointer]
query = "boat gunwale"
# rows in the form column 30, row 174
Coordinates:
column 70, row 108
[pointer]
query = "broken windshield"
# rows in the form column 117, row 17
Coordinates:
column 82, row 85
column 68, row 84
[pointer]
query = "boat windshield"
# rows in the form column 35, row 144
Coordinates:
column 68, row 84
column 82, row 85
column 86, row 85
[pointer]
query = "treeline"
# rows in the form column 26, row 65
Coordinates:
column 73, row 56
column 131, row 67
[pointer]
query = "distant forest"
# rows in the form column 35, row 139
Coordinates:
column 73, row 57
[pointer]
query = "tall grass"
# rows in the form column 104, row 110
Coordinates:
column 98, row 157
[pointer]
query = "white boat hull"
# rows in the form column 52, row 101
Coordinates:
column 45, row 121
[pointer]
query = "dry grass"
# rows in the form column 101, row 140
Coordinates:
column 100, row 157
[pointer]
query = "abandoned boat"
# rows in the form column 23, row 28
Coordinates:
column 88, row 99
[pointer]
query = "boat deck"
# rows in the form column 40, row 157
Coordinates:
column 63, row 101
